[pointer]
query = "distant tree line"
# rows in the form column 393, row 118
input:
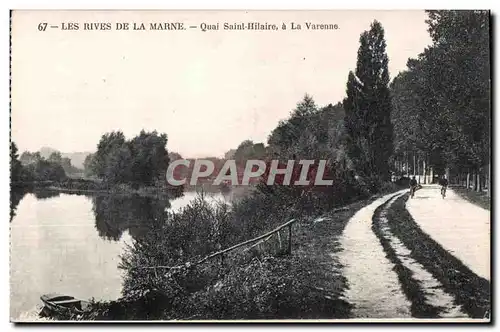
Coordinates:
column 30, row 167
column 56, row 157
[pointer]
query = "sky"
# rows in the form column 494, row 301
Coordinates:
column 208, row 91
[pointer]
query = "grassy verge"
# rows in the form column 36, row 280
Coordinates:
column 256, row 284
column 468, row 289
column 479, row 198
column 260, row 283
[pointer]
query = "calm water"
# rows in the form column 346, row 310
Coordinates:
column 71, row 244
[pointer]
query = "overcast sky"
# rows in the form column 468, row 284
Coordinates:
column 207, row 90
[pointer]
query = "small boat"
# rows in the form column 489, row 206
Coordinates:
column 58, row 303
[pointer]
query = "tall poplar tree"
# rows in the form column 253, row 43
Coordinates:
column 368, row 107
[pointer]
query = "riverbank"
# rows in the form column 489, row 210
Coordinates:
column 86, row 186
column 258, row 282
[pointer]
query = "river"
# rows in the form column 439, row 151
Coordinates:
column 71, row 244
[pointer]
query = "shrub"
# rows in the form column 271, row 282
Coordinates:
column 271, row 288
column 388, row 187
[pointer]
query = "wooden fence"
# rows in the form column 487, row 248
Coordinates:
column 221, row 253
column 260, row 238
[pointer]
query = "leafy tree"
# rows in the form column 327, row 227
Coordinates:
column 89, row 165
column 442, row 101
column 244, row 151
column 119, row 165
column 368, row 107
column 140, row 161
column 283, row 139
column 461, row 38
column 247, row 150
column 108, row 143
column 150, row 157
column 172, row 156
column 55, row 157
column 44, row 170
column 15, row 164
column 28, row 157
column 229, row 154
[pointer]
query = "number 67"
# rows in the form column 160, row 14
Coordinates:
column 42, row 26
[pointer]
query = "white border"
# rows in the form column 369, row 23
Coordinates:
column 186, row 4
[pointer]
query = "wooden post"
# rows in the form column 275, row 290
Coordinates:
column 279, row 239
column 290, row 239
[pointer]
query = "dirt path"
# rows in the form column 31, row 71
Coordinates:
column 459, row 226
column 395, row 269
column 428, row 296
column 373, row 286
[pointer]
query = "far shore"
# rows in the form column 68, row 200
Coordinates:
column 87, row 186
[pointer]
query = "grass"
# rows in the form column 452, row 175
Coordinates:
column 308, row 284
column 478, row 198
column 468, row 289
column 261, row 283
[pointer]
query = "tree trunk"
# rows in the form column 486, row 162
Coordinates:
column 407, row 165
column 418, row 170
column 424, row 171
column 478, row 181
column 468, row 180
column 414, row 164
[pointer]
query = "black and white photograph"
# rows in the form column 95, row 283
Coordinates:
column 250, row 166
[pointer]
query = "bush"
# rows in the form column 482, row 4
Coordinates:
column 173, row 239
column 403, row 181
column 271, row 288
column 389, row 187
column 44, row 170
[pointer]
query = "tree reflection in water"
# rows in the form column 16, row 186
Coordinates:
column 116, row 214
column 16, row 195
column 46, row 194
